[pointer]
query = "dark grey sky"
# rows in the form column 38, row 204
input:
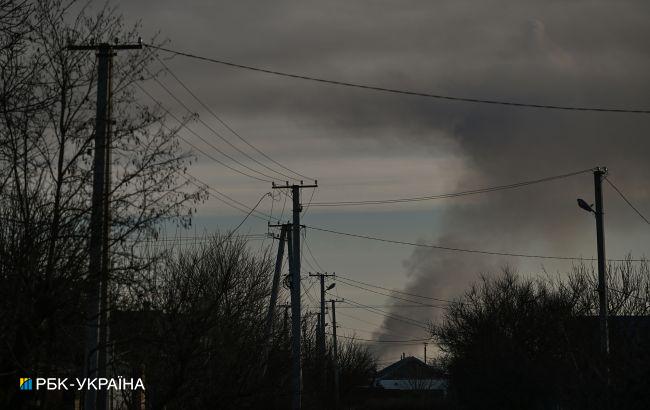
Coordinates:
column 369, row 145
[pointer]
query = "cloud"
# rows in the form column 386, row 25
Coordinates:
column 581, row 53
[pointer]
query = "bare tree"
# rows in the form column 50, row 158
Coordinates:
column 46, row 129
column 205, row 343
column 512, row 342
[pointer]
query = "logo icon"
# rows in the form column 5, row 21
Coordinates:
column 25, row 383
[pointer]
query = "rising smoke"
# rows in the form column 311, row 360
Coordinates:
column 508, row 145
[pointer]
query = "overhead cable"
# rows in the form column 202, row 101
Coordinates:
column 183, row 125
column 203, row 139
column 233, row 131
column 405, row 341
column 465, row 250
column 221, row 137
column 452, row 194
column 393, row 290
column 393, row 316
column 390, row 296
column 626, row 200
column 404, row 92
column 239, row 205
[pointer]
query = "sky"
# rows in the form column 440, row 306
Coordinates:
column 365, row 145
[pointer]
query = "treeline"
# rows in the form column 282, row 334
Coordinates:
column 512, row 342
column 191, row 321
column 47, row 112
column 199, row 331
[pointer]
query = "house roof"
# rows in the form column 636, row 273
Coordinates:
column 409, row 368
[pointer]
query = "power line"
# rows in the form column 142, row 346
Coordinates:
column 406, row 341
column 389, row 295
column 453, row 194
column 191, row 179
column 626, row 293
column 310, row 265
column 238, row 135
column 454, row 249
column 171, row 245
column 197, row 238
column 306, row 291
column 183, row 125
column 383, row 313
column 393, row 290
column 284, row 205
column 216, row 133
column 272, row 206
column 393, row 316
column 361, row 320
column 627, row 201
column 306, row 260
column 388, row 306
column 354, row 329
column 404, row 242
column 196, row 181
column 431, row 246
column 368, row 331
column 232, row 232
column 309, row 203
column 249, row 213
column 380, row 326
column 312, row 255
column 400, row 91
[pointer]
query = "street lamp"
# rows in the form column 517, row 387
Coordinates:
column 599, row 175
column 584, row 205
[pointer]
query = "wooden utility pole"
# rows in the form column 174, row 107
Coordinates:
column 425, row 352
column 603, row 331
column 97, row 285
column 296, row 366
column 321, row 328
column 294, row 268
column 321, row 324
column 285, row 323
column 599, row 174
column 335, row 358
column 274, row 295
column 104, row 303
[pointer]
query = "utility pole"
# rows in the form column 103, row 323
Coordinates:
column 104, row 303
column 294, row 267
column 321, row 323
column 296, row 366
column 599, row 174
column 335, row 359
column 276, row 277
column 274, row 295
column 285, row 325
column 425, row 352
column 318, row 336
column 97, row 289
